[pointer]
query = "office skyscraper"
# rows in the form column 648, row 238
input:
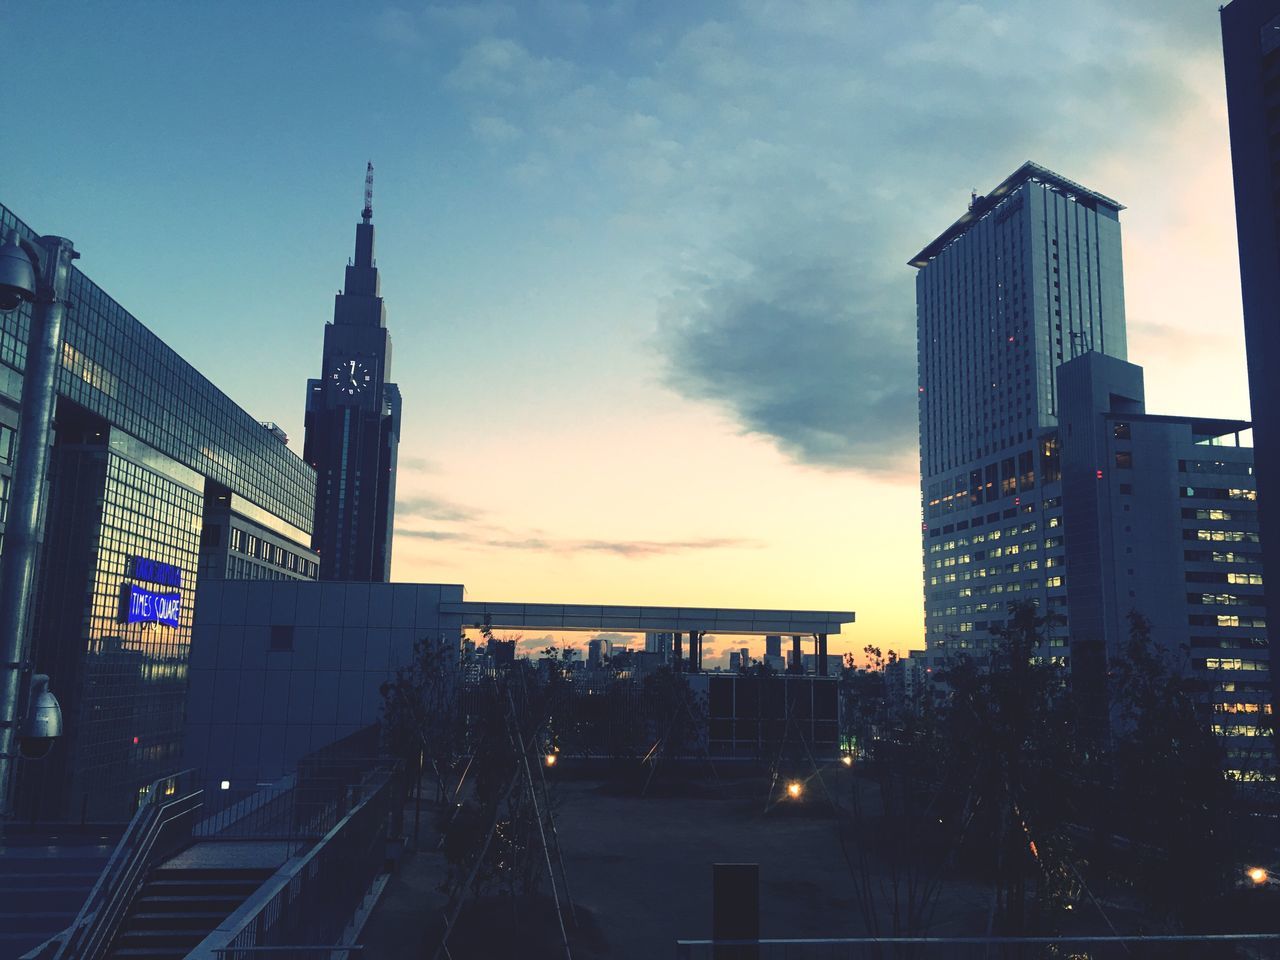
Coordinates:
column 353, row 425
column 1045, row 479
column 1027, row 278
column 1251, row 51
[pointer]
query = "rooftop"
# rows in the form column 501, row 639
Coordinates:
column 578, row 616
column 981, row 206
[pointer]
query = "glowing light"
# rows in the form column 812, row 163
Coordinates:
column 549, row 759
column 1257, row 875
column 794, row 789
column 225, row 785
column 847, row 760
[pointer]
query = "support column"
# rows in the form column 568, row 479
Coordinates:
column 822, row 655
column 677, row 653
column 695, row 651
column 797, row 656
column 52, row 261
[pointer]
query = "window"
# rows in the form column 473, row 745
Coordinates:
column 1120, row 431
column 1053, row 582
column 6, row 444
column 1124, row 460
column 282, row 639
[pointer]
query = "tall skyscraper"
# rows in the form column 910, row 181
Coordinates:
column 353, row 424
column 1027, row 278
column 1251, row 51
column 1043, row 477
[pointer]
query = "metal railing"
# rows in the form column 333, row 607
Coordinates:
column 160, row 827
column 315, row 895
column 336, row 952
column 1259, row 946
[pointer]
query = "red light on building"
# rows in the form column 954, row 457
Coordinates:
column 135, row 741
column 1099, row 474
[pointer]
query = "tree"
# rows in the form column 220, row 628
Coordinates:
column 421, row 720
column 1011, row 772
column 1170, row 799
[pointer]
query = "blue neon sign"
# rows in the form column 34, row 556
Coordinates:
column 144, row 568
column 140, row 605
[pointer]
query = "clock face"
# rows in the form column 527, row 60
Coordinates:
column 350, row 378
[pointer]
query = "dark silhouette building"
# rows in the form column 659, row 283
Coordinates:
column 1251, row 52
column 353, row 425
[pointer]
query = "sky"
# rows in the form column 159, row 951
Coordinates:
column 644, row 262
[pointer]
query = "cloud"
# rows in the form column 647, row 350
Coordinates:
column 784, row 159
column 499, row 66
column 794, row 354
column 416, row 464
column 433, row 508
column 432, row 534
column 494, row 130
column 630, row 549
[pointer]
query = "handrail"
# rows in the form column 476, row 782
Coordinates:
column 103, row 910
column 271, row 910
column 951, row 947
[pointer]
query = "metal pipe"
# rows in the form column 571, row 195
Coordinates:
column 22, row 533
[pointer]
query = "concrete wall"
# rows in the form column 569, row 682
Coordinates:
column 253, row 712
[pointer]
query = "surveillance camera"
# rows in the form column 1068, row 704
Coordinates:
column 17, row 274
column 35, row 748
column 43, row 723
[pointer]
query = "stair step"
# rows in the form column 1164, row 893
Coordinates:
column 153, row 904
column 177, row 920
column 160, row 938
column 206, row 873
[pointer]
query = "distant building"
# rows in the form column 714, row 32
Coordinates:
column 659, row 643
column 773, row 645
column 1251, row 51
column 502, row 652
column 353, row 426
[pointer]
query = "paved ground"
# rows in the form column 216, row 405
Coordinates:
column 639, row 872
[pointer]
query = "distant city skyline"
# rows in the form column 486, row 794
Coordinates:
column 658, row 251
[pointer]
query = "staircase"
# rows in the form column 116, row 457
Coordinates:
column 179, row 906
column 45, row 874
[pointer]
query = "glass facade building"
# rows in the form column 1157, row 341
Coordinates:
column 1029, row 277
column 1044, row 479
column 156, row 479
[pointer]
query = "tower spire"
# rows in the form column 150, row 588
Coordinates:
column 367, row 212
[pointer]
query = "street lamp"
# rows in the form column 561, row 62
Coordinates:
column 36, row 272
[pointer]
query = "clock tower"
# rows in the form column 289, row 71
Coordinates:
column 353, row 424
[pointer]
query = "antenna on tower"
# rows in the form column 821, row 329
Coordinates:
column 367, row 212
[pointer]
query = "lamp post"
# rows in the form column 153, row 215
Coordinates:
column 39, row 273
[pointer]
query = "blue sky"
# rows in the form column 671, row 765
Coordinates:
column 644, row 262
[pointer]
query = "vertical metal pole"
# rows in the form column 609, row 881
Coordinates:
column 22, row 533
column 678, row 654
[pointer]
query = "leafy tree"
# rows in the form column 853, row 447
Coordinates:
column 1170, row 799
column 1011, row 771
column 421, row 720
